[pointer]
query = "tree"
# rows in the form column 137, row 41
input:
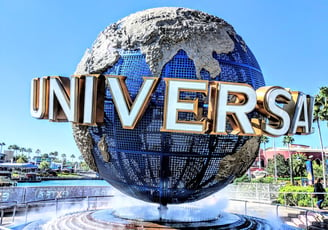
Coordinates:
column 22, row 150
column 63, row 156
column 45, row 156
column 320, row 113
column 44, row 165
column 55, row 154
column 2, row 144
column 299, row 168
column 282, row 166
column 15, row 148
column 21, row 158
column 29, row 151
column 287, row 141
column 51, row 154
column 81, row 158
column 84, row 166
column 317, row 169
column 263, row 140
column 72, row 157
column 38, row 151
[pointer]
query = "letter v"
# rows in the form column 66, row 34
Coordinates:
column 130, row 112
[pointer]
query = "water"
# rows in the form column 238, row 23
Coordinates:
column 65, row 183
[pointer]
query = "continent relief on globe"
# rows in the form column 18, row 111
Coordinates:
column 172, row 44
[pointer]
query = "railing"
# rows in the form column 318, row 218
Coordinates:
column 66, row 200
column 92, row 203
column 7, row 205
column 18, row 197
column 23, row 195
column 277, row 206
column 254, row 191
column 260, row 192
column 28, row 197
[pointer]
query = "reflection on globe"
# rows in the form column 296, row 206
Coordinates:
column 143, row 162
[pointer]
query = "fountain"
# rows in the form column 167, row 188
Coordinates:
column 145, row 149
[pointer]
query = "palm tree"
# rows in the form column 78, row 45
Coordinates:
column 320, row 113
column 55, row 154
column 51, row 154
column 38, row 151
column 81, row 158
column 14, row 147
column 22, row 150
column 264, row 140
column 287, row 141
column 63, row 156
column 275, row 160
column 2, row 144
column 29, row 151
column 72, row 157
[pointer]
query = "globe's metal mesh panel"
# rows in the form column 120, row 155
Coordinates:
column 168, row 167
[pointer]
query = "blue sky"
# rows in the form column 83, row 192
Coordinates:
column 38, row 38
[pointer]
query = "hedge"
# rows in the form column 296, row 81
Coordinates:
column 298, row 196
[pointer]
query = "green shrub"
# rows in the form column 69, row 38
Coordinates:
column 283, row 178
column 244, row 178
column 298, row 196
column 270, row 179
column 264, row 180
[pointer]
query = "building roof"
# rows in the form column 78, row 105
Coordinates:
column 298, row 149
column 18, row 165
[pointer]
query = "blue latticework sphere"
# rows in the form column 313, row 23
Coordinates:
column 144, row 162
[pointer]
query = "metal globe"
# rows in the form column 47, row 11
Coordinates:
column 144, row 162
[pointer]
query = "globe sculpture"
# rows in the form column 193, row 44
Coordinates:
column 144, row 162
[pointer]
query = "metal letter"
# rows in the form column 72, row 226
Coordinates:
column 300, row 123
column 174, row 105
column 278, row 119
column 234, row 100
column 63, row 99
column 93, row 104
column 130, row 113
column 39, row 98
